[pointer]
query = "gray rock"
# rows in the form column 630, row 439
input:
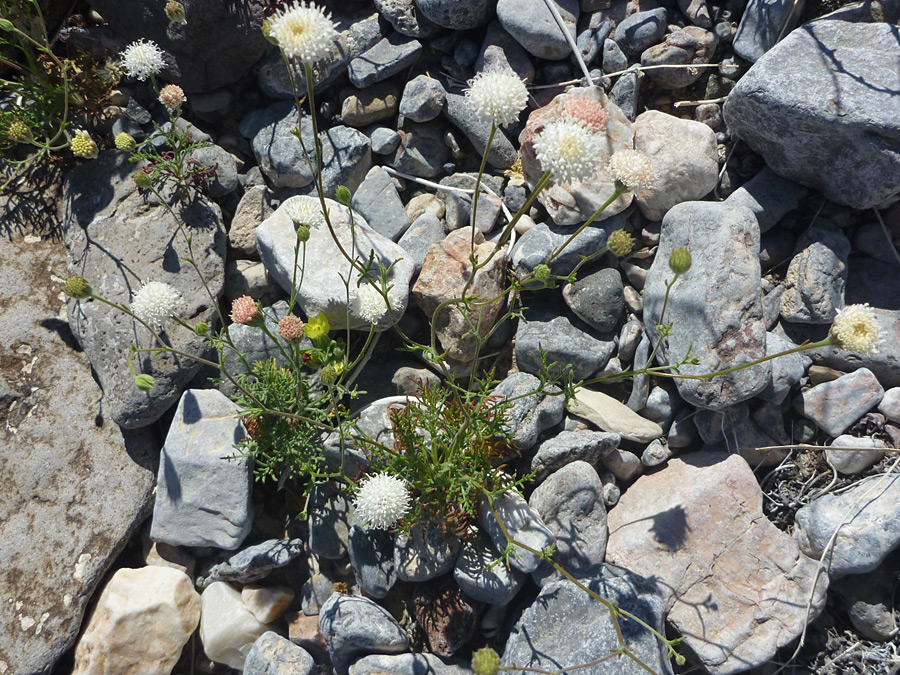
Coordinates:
column 461, row 15
column 716, row 306
column 641, row 30
column 815, row 280
column 610, row 415
column 564, row 342
column 117, row 240
column 252, row 563
column 614, row 59
column 272, row 654
column 796, row 129
column 426, row 231
column 353, row 627
column 885, row 363
column 775, row 247
column 521, row 522
column 502, row 154
column 329, row 521
column 662, row 404
column 372, row 558
column 202, row 496
column 225, row 177
column 570, row 503
column 890, row 404
column 357, row 33
column 379, row 203
column 762, row 24
column 384, row 140
column 769, row 196
column 251, row 211
column 698, row 13
column 408, row 664
column 629, row 338
column 532, row 25
column 278, row 152
column 422, row 151
column 854, row 461
column 835, row 405
column 426, row 553
column 625, row 93
column 75, row 486
column 682, row 431
column 658, row 452
column 592, row 39
column 640, row 383
column 690, row 45
column 731, row 429
column 566, row 627
column 501, row 51
column 375, row 103
column 315, row 592
column 597, row 299
column 532, row 412
column 246, row 277
column 423, row 99
column 389, row 56
column 346, row 159
column 868, row 601
column 406, row 18
column 786, row 370
column 572, row 446
column 867, row 524
column 481, row 575
column 458, row 205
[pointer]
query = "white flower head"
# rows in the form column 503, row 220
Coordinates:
column 303, row 31
column 142, row 59
column 368, row 304
column 304, row 210
column 154, row 302
column 856, row 329
column 497, row 96
column 632, row 168
column 568, row 150
column 381, row 501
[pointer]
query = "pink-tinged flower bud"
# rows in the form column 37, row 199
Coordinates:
column 291, row 328
column 172, row 96
column 244, row 310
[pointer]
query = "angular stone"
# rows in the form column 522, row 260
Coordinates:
column 460, row 15
column 521, row 522
column 715, row 307
column 786, row 370
column 322, row 289
column 251, row 211
column 372, row 558
column 252, row 563
column 141, row 622
column 353, row 627
column 769, row 196
column 427, row 552
column 608, row 414
column 278, row 152
column 846, row 102
column 389, row 56
column 531, row 23
column 815, row 280
column 375, row 103
column 202, row 498
column 422, row 151
column 835, row 405
column 379, row 203
column 482, row 576
column 267, row 603
column 532, row 412
column 597, row 299
column 867, row 524
column 737, row 588
column 761, row 26
column 408, row 664
column 426, row 231
column 117, row 241
column 406, row 18
column 572, row 446
column 272, row 654
column 228, row 630
column 687, row 46
column 458, row 110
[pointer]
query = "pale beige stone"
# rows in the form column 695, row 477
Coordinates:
column 227, row 628
column 267, row 603
column 141, row 623
column 608, row 414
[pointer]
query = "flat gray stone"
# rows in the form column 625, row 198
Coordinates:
column 272, row 654
column 835, row 405
column 423, row 99
column 847, row 101
column 424, row 232
column 252, row 563
column 597, row 299
column 816, row 278
column 460, row 15
column 854, row 461
column 278, row 152
column 422, row 151
column 762, row 23
column 532, row 25
column 787, row 370
column 426, row 553
column 523, row 524
column 641, row 30
column 691, row 45
column 353, row 627
column 389, row 56
column 610, row 415
column 372, row 558
column 480, row 574
column 458, row 110
column 379, row 203
column 716, row 306
column 769, row 196
column 202, row 497
column 532, row 412
column 408, row 664
column 572, row 446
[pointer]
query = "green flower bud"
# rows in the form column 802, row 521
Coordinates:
column 621, row 243
column 144, row 382
column 18, row 132
column 302, row 233
column 125, row 141
column 485, row 661
column 202, row 328
column 6, row 25
column 142, row 180
column 542, row 272
column 680, row 260
column 175, row 12
column 328, row 374
column 77, row 287
column 343, row 194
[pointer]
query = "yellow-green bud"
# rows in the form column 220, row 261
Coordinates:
column 175, row 12
column 83, row 145
column 621, row 243
column 142, row 180
column 6, row 25
column 302, row 233
column 485, row 661
column 125, row 141
column 18, row 132
column 342, row 192
column 541, row 272
column 202, row 328
column 77, row 287
column 328, row 374
column 680, row 260
column 266, row 29
column 144, row 382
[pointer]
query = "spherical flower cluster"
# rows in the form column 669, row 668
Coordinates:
column 303, row 31
column 154, row 302
column 856, row 329
column 680, row 260
column 305, row 211
column 381, row 501
column 18, row 132
column 290, row 328
column 172, row 96
column 125, row 141
column 77, row 287
column 83, row 145
column 369, row 304
column 144, row 382
column 485, row 661
column 497, row 96
column 568, row 150
column 142, row 59
column 621, row 243
column 244, row 310
column 632, row 169
column 589, row 112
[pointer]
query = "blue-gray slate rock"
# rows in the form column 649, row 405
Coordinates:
column 572, row 446
column 406, row 18
column 816, row 278
column 662, row 404
column 835, row 405
column 521, row 522
column 423, row 99
column 409, row 664
column 427, row 552
column 118, row 240
column 389, row 56
column 614, row 59
column 570, row 502
column 625, row 93
column 869, row 519
column 501, row 51
column 532, row 412
column 592, row 39
column 225, row 177
column 278, row 152
column 769, row 196
column 346, row 159
column 847, row 100
column 272, row 654
column 787, row 370
column 690, row 45
column 762, row 23
column 329, row 521
column 458, row 15
column 458, row 110
column 379, row 203
column 353, row 627
column 656, row 453
column 422, row 151
column 481, row 575
column 716, row 306
column 384, row 140
column 566, row 627
column 641, row 30
column 532, row 24
column 732, row 430
column 425, row 231
column 372, row 558
column 252, row 563
column 597, row 299
column 202, row 497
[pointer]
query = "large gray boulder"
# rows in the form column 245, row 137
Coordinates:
column 828, row 85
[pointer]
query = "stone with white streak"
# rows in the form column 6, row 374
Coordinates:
column 610, row 415
column 835, row 405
